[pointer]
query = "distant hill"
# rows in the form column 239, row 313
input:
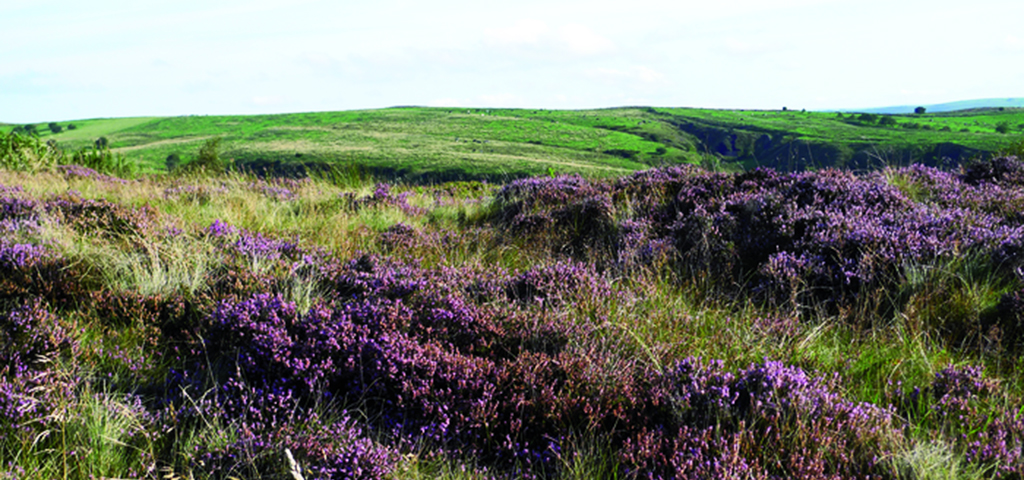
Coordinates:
column 419, row 144
column 947, row 107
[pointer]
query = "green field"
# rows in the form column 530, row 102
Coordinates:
column 416, row 143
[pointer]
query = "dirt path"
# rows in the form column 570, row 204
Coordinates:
column 169, row 141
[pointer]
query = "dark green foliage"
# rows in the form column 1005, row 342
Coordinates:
column 887, row 121
column 209, row 155
column 172, row 162
column 867, row 117
column 1015, row 149
column 919, row 110
column 102, row 142
column 207, row 160
column 71, row 126
column 24, row 152
column 55, row 128
column 103, row 160
column 1003, row 127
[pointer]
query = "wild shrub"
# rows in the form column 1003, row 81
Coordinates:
column 24, row 152
column 102, row 159
column 207, row 161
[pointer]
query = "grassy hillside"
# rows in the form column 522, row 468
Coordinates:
column 792, row 140
column 444, row 143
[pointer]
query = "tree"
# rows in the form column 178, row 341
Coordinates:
column 887, row 121
column 209, row 156
column 1003, row 127
column 54, row 127
column 29, row 129
column 102, row 142
column 71, row 126
column 867, row 118
column 919, row 110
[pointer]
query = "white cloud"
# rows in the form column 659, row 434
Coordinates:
column 446, row 102
column 526, row 31
column 638, row 73
column 738, row 46
column 582, row 40
column 268, row 100
column 502, row 100
column 1013, row 42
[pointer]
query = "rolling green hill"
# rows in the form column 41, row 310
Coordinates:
column 432, row 144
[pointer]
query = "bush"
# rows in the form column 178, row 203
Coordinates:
column 887, row 121
column 103, row 160
column 207, row 160
column 102, row 142
column 1003, row 127
column 172, row 162
column 55, row 128
column 27, row 153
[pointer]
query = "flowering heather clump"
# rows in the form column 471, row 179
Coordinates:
column 571, row 215
column 647, row 192
column 416, row 348
column 767, row 421
column 251, row 262
column 1002, row 170
column 19, row 214
column 85, row 173
column 949, row 190
column 336, row 450
column 398, row 238
column 31, row 338
column 381, row 197
column 100, row 216
column 28, row 271
column 280, row 189
column 557, row 284
column 989, row 435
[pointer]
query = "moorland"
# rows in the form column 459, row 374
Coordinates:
column 436, row 144
column 470, row 295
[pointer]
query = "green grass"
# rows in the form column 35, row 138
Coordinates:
column 430, row 144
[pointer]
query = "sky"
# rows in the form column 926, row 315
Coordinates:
column 65, row 60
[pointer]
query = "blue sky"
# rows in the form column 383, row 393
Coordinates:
column 73, row 60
